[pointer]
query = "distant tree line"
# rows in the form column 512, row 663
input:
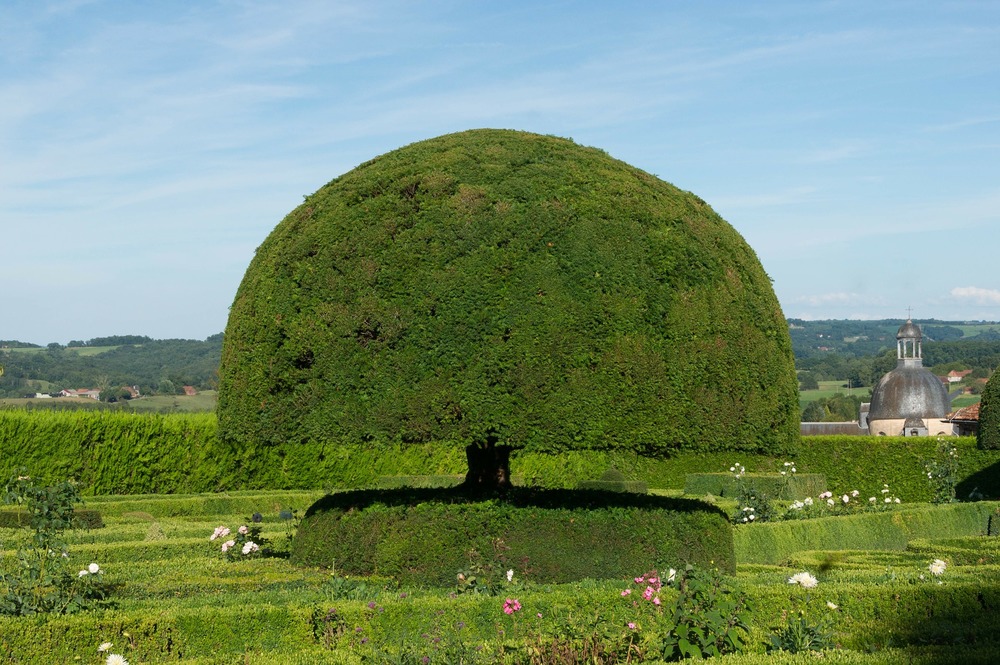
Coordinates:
column 113, row 340
column 857, row 339
column 155, row 366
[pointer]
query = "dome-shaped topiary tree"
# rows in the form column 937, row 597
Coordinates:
column 504, row 290
column 988, row 434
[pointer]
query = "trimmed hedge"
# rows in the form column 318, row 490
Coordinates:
column 180, row 602
column 117, row 453
column 772, row 485
column 633, row 486
column 494, row 283
column 774, row 542
column 114, row 453
column 397, row 482
column 160, row 635
column 83, row 518
column 428, row 536
column 614, row 480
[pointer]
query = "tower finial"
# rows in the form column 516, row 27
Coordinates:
column 909, row 313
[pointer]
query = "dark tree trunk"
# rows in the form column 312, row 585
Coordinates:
column 489, row 467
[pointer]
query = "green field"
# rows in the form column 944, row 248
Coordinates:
column 176, row 600
column 971, row 330
column 829, row 389
column 79, row 350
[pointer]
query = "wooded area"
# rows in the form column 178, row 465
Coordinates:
column 155, row 366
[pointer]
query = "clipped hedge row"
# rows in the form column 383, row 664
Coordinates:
column 118, row 453
column 772, row 485
column 113, row 453
column 163, row 635
column 774, row 542
column 429, row 536
column 245, row 503
column 83, row 518
column 634, row 486
column 902, row 623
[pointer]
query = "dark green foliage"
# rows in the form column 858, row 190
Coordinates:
column 803, row 634
column 426, row 537
column 499, row 283
column 797, row 486
column 706, row 619
column 836, row 408
column 807, row 381
column 988, row 436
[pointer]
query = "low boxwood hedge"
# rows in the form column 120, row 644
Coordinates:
column 426, row 537
column 773, row 542
column 83, row 518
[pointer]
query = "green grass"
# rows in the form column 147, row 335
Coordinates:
column 829, row 389
column 202, row 402
column 964, row 400
column 178, row 601
column 971, row 330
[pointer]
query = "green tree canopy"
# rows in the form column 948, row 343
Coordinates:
column 988, row 434
column 504, row 288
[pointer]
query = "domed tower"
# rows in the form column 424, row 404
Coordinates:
column 909, row 400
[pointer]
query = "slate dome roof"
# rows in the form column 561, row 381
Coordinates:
column 909, row 330
column 907, row 392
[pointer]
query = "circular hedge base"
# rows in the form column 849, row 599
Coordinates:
column 427, row 537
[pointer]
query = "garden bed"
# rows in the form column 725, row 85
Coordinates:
column 177, row 600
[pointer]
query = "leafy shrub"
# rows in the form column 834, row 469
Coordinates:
column 552, row 536
column 42, row 581
column 942, row 472
column 244, row 543
column 707, row 618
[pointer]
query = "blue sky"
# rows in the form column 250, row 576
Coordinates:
column 146, row 149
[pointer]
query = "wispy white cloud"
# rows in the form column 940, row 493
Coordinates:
column 978, row 295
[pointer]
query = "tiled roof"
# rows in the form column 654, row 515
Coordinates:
column 970, row 412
